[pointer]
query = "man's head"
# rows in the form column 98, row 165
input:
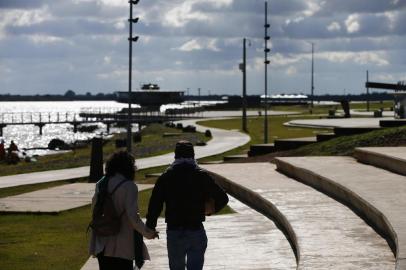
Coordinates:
column 184, row 149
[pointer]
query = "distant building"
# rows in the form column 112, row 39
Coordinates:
column 151, row 97
column 236, row 101
column 286, row 99
column 400, row 104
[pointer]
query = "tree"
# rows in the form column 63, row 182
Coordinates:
column 70, row 94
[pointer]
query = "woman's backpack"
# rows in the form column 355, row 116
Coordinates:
column 105, row 219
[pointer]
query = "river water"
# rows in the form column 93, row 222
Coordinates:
column 27, row 136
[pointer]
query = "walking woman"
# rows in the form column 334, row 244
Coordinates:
column 118, row 250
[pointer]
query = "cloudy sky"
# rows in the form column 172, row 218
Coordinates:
column 49, row 46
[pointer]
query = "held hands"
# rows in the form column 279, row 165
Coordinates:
column 151, row 234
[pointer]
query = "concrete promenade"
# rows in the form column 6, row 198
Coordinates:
column 337, row 122
column 379, row 195
column 245, row 240
column 329, row 235
column 53, row 200
column 389, row 158
column 222, row 141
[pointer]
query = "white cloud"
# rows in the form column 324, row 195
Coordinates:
column 334, row 26
column 312, row 8
column 18, row 17
column 280, row 60
column 352, row 23
column 119, row 25
column 212, row 45
column 195, row 45
column 384, row 77
column 185, row 39
column 362, row 58
column 291, row 71
column 191, row 45
column 107, row 59
column 182, row 14
column 392, row 19
column 116, row 3
column 38, row 38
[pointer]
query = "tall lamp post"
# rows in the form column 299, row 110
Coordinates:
column 266, row 62
column 367, row 91
column 131, row 39
column 312, row 86
column 243, row 68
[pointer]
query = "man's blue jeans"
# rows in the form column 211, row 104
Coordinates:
column 186, row 248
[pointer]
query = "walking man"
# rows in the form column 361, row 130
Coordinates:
column 189, row 194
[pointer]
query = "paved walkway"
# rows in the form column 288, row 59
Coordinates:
column 376, row 192
column 53, row 200
column 371, row 113
column 222, row 141
column 246, row 240
column 390, row 152
column 219, row 114
column 389, row 158
column 330, row 235
column 337, row 122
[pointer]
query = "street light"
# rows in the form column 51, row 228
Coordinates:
column 312, row 86
column 131, row 39
column 243, row 68
column 266, row 62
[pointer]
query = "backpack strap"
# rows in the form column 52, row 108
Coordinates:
column 118, row 185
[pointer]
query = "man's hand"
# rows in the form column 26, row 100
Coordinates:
column 151, row 234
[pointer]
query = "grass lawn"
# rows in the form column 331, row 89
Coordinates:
column 345, row 145
column 256, row 127
column 323, row 109
column 153, row 143
column 51, row 241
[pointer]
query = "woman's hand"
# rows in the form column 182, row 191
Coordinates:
column 151, row 234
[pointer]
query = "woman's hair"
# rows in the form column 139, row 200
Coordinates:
column 121, row 162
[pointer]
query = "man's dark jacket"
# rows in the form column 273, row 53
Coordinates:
column 184, row 189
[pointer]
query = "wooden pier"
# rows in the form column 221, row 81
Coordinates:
column 109, row 118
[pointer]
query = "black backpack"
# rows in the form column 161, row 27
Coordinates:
column 105, row 219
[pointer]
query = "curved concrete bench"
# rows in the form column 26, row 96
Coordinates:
column 260, row 204
column 389, row 158
column 378, row 196
column 324, row 233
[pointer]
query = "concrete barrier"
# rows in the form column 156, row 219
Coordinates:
column 366, row 210
column 263, row 206
column 383, row 157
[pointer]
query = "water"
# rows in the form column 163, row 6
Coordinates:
column 27, row 136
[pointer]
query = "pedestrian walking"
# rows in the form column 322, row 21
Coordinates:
column 117, row 229
column 2, row 150
column 189, row 194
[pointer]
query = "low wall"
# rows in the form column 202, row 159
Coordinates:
column 263, row 206
column 360, row 206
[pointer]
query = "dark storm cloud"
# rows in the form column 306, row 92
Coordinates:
column 361, row 6
column 276, row 7
column 64, row 28
column 83, row 44
column 20, row 4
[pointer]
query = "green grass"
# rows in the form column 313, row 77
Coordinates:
column 44, row 242
column 50, row 241
column 323, row 109
column 47, row 241
column 256, row 127
column 153, row 143
column 11, row 191
column 373, row 106
column 345, row 145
